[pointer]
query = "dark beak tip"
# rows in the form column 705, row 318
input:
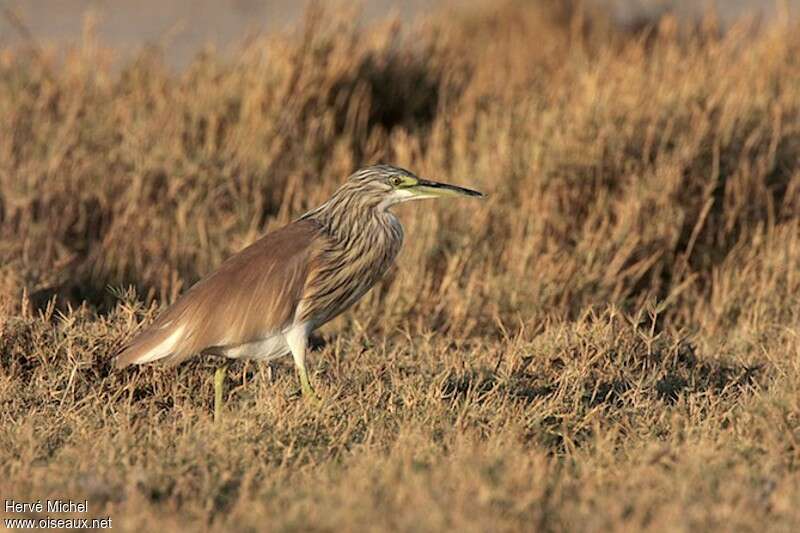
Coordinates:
column 463, row 190
column 473, row 193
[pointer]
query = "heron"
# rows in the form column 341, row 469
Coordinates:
column 264, row 302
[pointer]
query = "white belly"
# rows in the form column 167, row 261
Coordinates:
column 261, row 350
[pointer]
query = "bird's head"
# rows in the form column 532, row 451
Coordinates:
column 382, row 186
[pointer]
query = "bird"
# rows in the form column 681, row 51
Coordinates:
column 264, row 302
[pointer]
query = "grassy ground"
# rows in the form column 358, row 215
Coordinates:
column 610, row 341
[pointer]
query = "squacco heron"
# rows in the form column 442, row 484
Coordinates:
column 263, row 302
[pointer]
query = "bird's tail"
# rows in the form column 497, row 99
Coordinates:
column 152, row 345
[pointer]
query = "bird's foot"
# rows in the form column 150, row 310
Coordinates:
column 309, row 394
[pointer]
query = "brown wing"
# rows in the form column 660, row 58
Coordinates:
column 253, row 294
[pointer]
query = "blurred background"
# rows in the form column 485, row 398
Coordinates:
column 185, row 27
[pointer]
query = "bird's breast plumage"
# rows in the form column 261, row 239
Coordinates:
column 347, row 266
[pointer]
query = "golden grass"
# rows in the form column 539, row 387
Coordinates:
column 610, row 341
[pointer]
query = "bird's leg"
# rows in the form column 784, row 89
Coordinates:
column 305, row 385
column 297, row 339
column 219, row 383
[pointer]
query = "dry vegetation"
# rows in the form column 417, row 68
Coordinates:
column 609, row 342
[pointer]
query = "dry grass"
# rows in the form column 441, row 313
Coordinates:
column 609, row 342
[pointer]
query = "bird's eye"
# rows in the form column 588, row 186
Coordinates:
column 396, row 180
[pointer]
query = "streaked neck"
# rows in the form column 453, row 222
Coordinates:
column 346, row 216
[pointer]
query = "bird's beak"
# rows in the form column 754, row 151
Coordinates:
column 432, row 189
